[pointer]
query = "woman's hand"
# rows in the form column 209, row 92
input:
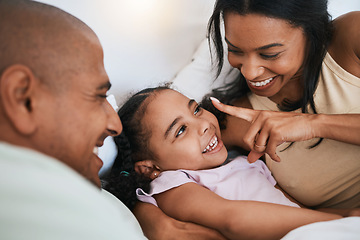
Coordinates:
column 269, row 129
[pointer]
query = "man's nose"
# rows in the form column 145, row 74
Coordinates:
column 114, row 126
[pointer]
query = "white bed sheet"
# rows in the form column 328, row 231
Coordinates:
column 341, row 229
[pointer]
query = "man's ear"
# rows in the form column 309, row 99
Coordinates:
column 147, row 168
column 16, row 93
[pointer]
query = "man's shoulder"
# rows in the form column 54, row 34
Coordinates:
column 44, row 198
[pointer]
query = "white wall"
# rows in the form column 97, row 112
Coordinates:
column 339, row 7
column 145, row 41
column 148, row 41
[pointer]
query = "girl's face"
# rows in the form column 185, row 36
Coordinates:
column 183, row 135
column 269, row 52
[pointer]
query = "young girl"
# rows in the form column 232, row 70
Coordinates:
column 176, row 145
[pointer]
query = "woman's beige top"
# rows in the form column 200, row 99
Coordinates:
column 327, row 175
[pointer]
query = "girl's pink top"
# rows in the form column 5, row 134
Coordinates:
column 236, row 180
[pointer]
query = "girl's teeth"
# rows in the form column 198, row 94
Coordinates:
column 212, row 145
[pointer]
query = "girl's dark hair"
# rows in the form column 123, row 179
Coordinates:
column 132, row 145
column 311, row 15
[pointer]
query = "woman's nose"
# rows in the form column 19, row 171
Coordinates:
column 251, row 68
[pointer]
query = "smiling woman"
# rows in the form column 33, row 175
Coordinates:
column 263, row 62
column 299, row 70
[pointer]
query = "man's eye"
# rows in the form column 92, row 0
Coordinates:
column 181, row 131
column 103, row 95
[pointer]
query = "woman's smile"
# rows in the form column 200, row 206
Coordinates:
column 262, row 85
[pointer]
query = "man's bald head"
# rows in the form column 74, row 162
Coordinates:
column 51, row 42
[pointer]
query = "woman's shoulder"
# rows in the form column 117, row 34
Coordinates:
column 344, row 47
column 347, row 17
column 346, row 28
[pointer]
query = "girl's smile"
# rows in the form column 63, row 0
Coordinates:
column 183, row 135
column 214, row 146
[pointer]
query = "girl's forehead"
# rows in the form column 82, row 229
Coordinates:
column 164, row 107
column 167, row 98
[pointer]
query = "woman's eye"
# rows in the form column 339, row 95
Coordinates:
column 234, row 51
column 181, row 131
column 270, row 56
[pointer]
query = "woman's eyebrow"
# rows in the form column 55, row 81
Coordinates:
column 176, row 120
column 259, row 48
column 269, row 46
column 227, row 41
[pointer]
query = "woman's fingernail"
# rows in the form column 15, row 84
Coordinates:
column 214, row 99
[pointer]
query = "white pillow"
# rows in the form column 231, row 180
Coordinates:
column 198, row 77
column 341, row 229
column 107, row 153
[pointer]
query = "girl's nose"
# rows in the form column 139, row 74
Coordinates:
column 203, row 126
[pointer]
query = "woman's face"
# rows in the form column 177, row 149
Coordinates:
column 183, row 135
column 269, row 52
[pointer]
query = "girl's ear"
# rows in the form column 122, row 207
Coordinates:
column 147, row 168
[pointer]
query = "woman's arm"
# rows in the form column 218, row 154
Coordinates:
column 340, row 127
column 269, row 129
column 345, row 212
column 235, row 219
column 158, row 226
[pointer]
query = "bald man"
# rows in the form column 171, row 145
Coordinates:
column 53, row 116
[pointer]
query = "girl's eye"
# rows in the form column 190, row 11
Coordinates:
column 197, row 109
column 181, row 130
